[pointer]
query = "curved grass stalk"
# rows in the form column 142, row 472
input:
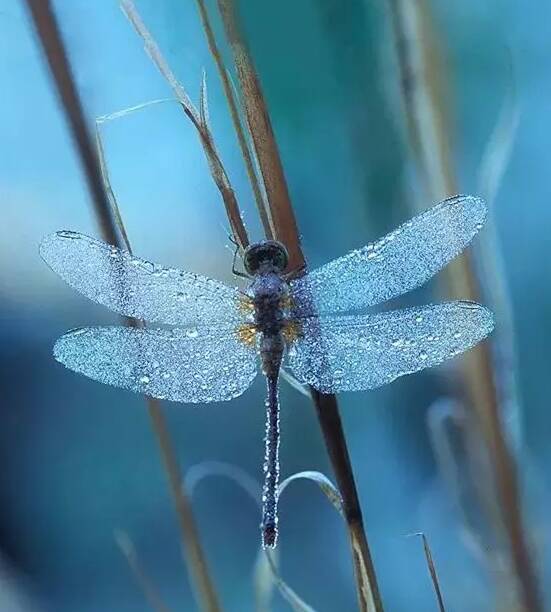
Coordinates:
column 266, row 568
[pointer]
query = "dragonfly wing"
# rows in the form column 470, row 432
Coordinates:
column 404, row 259
column 184, row 365
column 358, row 352
column 135, row 287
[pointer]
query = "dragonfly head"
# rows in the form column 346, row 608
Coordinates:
column 265, row 255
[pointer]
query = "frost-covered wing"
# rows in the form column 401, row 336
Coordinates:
column 183, row 365
column 404, row 259
column 135, row 287
column 354, row 353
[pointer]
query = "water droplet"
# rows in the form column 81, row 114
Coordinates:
column 423, row 355
column 479, row 226
column 419, row 319
column 144, row 380
column 68, row 234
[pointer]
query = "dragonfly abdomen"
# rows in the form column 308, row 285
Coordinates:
column 271, row 466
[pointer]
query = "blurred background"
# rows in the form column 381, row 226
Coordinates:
column 79, row 460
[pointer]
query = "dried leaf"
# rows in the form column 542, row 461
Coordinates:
column 203, row 102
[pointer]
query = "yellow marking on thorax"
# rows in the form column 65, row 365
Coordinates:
column 245, row 304
column 246, row 333
column 291, row 331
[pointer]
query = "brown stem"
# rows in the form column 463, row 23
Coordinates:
column 427, row 129
column 52, row 43
column 260, row 127
column 236, row 120
column 327, row 411
column 50, row 38
column 285, row 229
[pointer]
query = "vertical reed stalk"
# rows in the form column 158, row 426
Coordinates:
column 265, row 145
column 236, row 120
column 54, row 49
column 429, row 135
column 285, row 230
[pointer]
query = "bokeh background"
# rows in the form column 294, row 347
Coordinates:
column 79, row 460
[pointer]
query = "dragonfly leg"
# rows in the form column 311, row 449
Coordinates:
column 296, row 273
column 234, row 269
column 271, row 466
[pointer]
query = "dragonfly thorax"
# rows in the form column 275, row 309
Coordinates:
column 265, row 256
column 269, row 295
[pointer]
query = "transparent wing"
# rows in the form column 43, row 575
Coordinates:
column 135, row 287
column 399, row 262
column 184, row 365
column 354, row 353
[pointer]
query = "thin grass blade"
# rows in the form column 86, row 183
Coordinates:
column 149, row 589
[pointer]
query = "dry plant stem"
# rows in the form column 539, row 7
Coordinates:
column 266, row 149
column 149, row 589
column 330, row 421
column 238, row 127
column 432, row 571
column 285, row 228
column 217, row 169
column 52, row 43
column 428, row 132
column 50, row 38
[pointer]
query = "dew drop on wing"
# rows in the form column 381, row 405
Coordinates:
column 137, row 287
column 329, row 357
column 403, row 260
column 161, row 363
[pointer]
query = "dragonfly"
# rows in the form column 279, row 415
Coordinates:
column 210, row 336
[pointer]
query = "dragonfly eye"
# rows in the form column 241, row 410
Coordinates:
column 266, row 254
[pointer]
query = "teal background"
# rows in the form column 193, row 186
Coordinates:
column 79, row 460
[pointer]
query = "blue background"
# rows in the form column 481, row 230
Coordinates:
column 79, row 459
